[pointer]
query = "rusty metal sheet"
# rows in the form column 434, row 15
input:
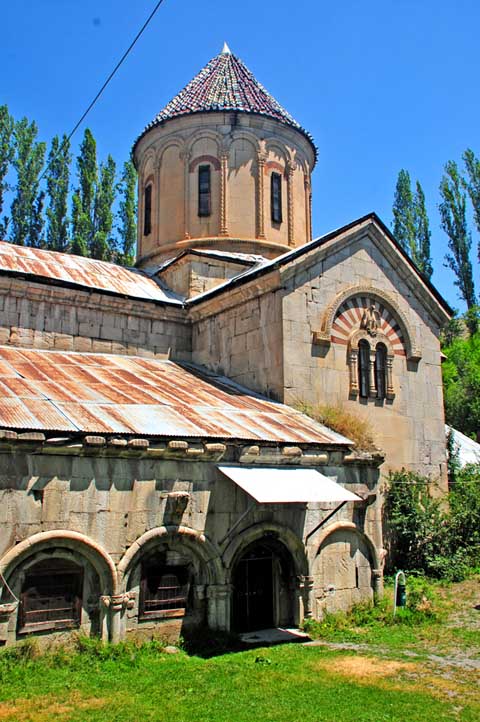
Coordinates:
column 88, row 272
column 112, row 394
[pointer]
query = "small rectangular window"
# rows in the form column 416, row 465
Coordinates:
column 147, row 211
column 51, row 597
column 276, row 197
column 164, row 590
column 204, row 190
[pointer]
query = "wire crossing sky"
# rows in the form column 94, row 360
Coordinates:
column 383, row 85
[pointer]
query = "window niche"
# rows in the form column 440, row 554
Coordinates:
column 51, row 596
column 204, row 191
column 276, row 197
column 147, row 210
column 164, row 588
column 370, row 369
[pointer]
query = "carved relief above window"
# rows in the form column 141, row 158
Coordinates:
column 373, row 338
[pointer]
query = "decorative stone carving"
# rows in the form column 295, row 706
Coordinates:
column 371, row 320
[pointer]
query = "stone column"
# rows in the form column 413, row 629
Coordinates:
column 185, row 156
column 390, row 389
column 308, row 206
column 290, row 169
column 371, row 376
column 218, row 611
column 156, row 220
column 223, row 193
column 115, row 604
column 354, row 372
column 377, row 580
column 308, row 597
column 261, row 160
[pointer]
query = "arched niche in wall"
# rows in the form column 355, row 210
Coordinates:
column 242, row 186
column 203, row 177
column 377, row 311
column 343, row 569
column 170, row 218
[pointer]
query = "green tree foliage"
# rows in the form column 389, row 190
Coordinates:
column 403, row 215
column 421, row 254
column 426, row 535
column 454, row 223
column 6, row 156
column 472, row 184
column 102, row 246
column 83, row 226
column 461, row 383
column 27, row 205
column 128, row 214
column 411, row 226
column 58, row 175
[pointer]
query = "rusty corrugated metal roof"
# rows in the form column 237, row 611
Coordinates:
column 113, row 394
column 86, row 272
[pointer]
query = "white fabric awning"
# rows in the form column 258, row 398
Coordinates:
column 286, row 485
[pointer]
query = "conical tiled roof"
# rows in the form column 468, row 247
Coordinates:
column 225, row 84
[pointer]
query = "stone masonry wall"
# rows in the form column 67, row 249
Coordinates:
column 409, row 428
column 99, row 507
column 37, row 316
column 244, row 342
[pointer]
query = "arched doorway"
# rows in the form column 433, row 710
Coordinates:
column 263, row 587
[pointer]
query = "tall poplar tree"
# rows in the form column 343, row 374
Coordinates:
column 421, row 254
column 410, row 222
column 102, row 246
column 57, row 189
column 403, row 216
column 83, row 228
column 454, row 223
column 6, row 156
column 127, row 214
column 472, row 183
column 27, row 205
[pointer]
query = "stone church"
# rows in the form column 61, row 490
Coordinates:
column 156, row 475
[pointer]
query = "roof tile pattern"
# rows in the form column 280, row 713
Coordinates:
column 225, row 84
column 112, row 394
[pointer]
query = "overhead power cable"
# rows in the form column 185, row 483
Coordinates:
column 105, row 84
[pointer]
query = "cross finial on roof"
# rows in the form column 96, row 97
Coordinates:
column 226, row 50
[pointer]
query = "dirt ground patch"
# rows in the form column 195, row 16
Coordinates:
column 44, row 709
column 394, row 674
column 362, row 668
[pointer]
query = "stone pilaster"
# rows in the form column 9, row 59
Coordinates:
column 223, row 193
column 218, row 610
column 290, row 169
column 185, row 156
column 261, row 160
column 308, row 206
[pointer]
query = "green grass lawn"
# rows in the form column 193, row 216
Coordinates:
column 403, row 673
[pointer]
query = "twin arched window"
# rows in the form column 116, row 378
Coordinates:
column 372, row 370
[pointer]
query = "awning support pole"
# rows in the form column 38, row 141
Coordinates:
column 324, row 521
column 239, row 521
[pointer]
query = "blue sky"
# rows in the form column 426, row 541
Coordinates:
column 380, row 84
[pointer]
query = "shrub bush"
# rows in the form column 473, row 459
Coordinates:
column 437, row 537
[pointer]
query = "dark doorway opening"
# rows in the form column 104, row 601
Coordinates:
column 263, row 587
